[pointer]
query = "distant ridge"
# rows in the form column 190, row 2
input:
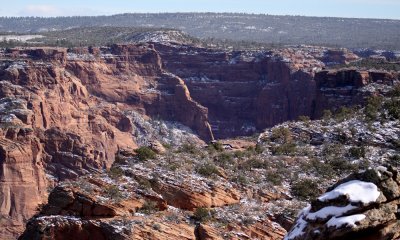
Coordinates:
column 330, row 31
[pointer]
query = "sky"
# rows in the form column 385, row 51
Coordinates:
column 388, row 9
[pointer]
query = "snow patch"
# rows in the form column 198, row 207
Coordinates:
column 345, row 221
column 329, row 211
column 301, row 224
column 357, row 191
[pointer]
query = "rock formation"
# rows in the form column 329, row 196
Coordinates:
column 361, row 206
column 66, row 112
column 245, row 92
column 346, row 87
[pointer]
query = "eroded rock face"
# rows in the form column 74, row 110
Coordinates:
column 133, row 75
column 66, row 114
column 22, row 182
column 246, row 92
column 260, row 230
column 243, row 91
column 346, row 87
column 115, row 229
column 48, row 124
column 189, row 192
column 361, row 206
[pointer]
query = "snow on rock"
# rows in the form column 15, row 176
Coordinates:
column 301, row 224
column 329, row 211
column 353, row 208
column 357, row 191
column 347, row 220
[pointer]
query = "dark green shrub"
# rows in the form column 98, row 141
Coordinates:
column 149, row 207
column 284, row 149
column 143, row 183
column 201, row 214
column 259, row 149
column 371, row 110
column 240, row 179
column 207, row 169
column 189, row 148
column 395, row 92
column 327, row 115
column 173, row 166
column 281, row 135
column 216, row 146
column 115, row 173
column 395, row 160
column 305, row 189
column 332, row 150
column 344, row 113
column 253, row 163
column 239, row 154
column 393, row 108
column 113, row 192
column 321, row 168
column 340, row 165
column 224, row 159
column 145, row 153
column 305, row 119
column 274, row 177
column 357, row 152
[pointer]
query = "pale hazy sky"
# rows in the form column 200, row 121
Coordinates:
column 335, row 8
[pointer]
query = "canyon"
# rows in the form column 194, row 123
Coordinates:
column 67, row 113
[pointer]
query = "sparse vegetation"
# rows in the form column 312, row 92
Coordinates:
column 201, row 214
column 189, row 148
column 115, row 173
column 372, row 108
column 224, row 159
column 357, row 152
column 149, row 207
column 207, row 169
column 343, row 114
column 251, row 33
column 113, row 192
column 216, row 146
column 281, row 135
column 284, row 149
column 274, row 177
column 145, row 153
column 305, row 189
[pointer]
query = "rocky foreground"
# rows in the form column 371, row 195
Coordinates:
column 361, row 206
column 112, row 142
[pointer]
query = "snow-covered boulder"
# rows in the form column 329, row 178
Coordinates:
column 362, row 206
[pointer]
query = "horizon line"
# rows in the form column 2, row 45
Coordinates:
column 194, row 12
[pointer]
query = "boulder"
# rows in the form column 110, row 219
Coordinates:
column 362, row 206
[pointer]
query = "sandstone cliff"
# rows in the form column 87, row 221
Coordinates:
column 245, row 92
column 66, row 113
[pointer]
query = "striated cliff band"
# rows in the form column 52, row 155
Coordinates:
column 66, row 113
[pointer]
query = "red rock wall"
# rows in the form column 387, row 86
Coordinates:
column 337, row 88
column 244, row 92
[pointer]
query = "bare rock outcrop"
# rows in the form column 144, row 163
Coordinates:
column 243, row 91
column 66, row 113
column 49, row 124
column 189, row 192
column 362, row 206
column 113, row 229
column 133, row 75
column 347, row 87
